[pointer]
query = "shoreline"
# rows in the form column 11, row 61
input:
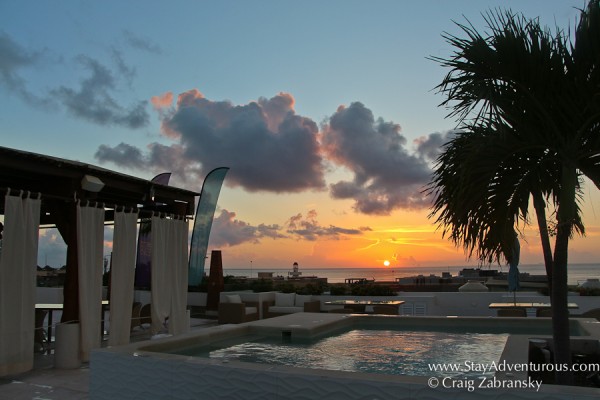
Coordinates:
column 578, row 273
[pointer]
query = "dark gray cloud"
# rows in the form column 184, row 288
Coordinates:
column 430, row 147
column 126, row 71
column 93, row 100
column 270, row 148
column 264, row 143
column 140, row 43
column 157, row 158
column 13, row 60
column 229, row 231
column 123, row 155
column 308, row 228
column 386, row 175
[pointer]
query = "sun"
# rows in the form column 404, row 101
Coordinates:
column 386, row 263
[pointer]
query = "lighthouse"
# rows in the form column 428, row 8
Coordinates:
column 294, row 274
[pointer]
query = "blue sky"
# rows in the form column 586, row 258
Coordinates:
column 89, row 81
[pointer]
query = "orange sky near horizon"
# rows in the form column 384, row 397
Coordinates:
column 405, row 238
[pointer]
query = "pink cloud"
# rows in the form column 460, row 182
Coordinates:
column 189, row 98
column 162, row 101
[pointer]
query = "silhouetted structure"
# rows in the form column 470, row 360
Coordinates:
column 216, row 284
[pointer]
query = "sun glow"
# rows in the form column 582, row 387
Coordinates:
column 386, row 263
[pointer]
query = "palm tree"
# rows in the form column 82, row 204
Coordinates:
column 535, row 98
column 482, row 189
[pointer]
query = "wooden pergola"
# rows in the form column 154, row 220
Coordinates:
column 61, row 183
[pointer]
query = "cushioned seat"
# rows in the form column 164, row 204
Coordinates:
column 290, row 303
column 285, row 310
column 233, row 311
column 512, row 312
column 385, row 309
column 251, row 310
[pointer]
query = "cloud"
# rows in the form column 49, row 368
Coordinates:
column 158, row 158
column 52, row 249
column 430, row 147
column 228, row 231
column 386, row 175
column 162, row 101
column 124, row 70
column 93, row 101
column 140, row 43
column 13, row 59
column 123, row 155
column 266, row 145
column 308, row 228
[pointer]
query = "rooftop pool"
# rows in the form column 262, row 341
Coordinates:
column 289, row 357
column 363, row 350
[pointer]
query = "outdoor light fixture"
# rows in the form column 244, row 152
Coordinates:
column 91, row 183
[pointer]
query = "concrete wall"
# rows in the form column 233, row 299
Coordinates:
column 48, row 295
column 433, row 303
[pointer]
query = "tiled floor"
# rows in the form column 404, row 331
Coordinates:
column 45, row 382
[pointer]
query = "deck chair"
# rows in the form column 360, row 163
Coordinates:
column 512, row 312
column 593, row 313
column 146, row 316
column 385, row 310
column 341, row 311
column 135, row 315
column 41, row 338
column 543, row 312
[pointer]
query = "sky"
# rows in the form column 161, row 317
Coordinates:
column 326, row 114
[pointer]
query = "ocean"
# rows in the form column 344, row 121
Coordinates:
column 578, row 273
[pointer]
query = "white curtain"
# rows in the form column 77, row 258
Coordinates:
column 178, row 322
column 169, row 274
column 90, row 245
column 161, row 278
column 122, row 277
column 17, row 283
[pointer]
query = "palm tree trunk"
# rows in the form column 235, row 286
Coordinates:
column 540, row 210
column 560, row 316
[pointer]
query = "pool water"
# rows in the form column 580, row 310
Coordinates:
column 366, row 350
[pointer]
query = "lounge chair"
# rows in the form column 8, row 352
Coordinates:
column 40, row 336
column 290, row 303
column 233, row 311
column 146, row 316
column 593, row 313
column 512, row 312
column 136, row 308
column 386, row 310
column 543, row 312
column 341, row 311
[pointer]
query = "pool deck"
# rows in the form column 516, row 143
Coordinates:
column 153, row 369
column 48, row 383
column 44, row 382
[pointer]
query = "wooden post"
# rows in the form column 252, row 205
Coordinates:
column 216, row 284
column 67, row 226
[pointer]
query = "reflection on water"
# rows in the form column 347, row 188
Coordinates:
column 377, row 351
